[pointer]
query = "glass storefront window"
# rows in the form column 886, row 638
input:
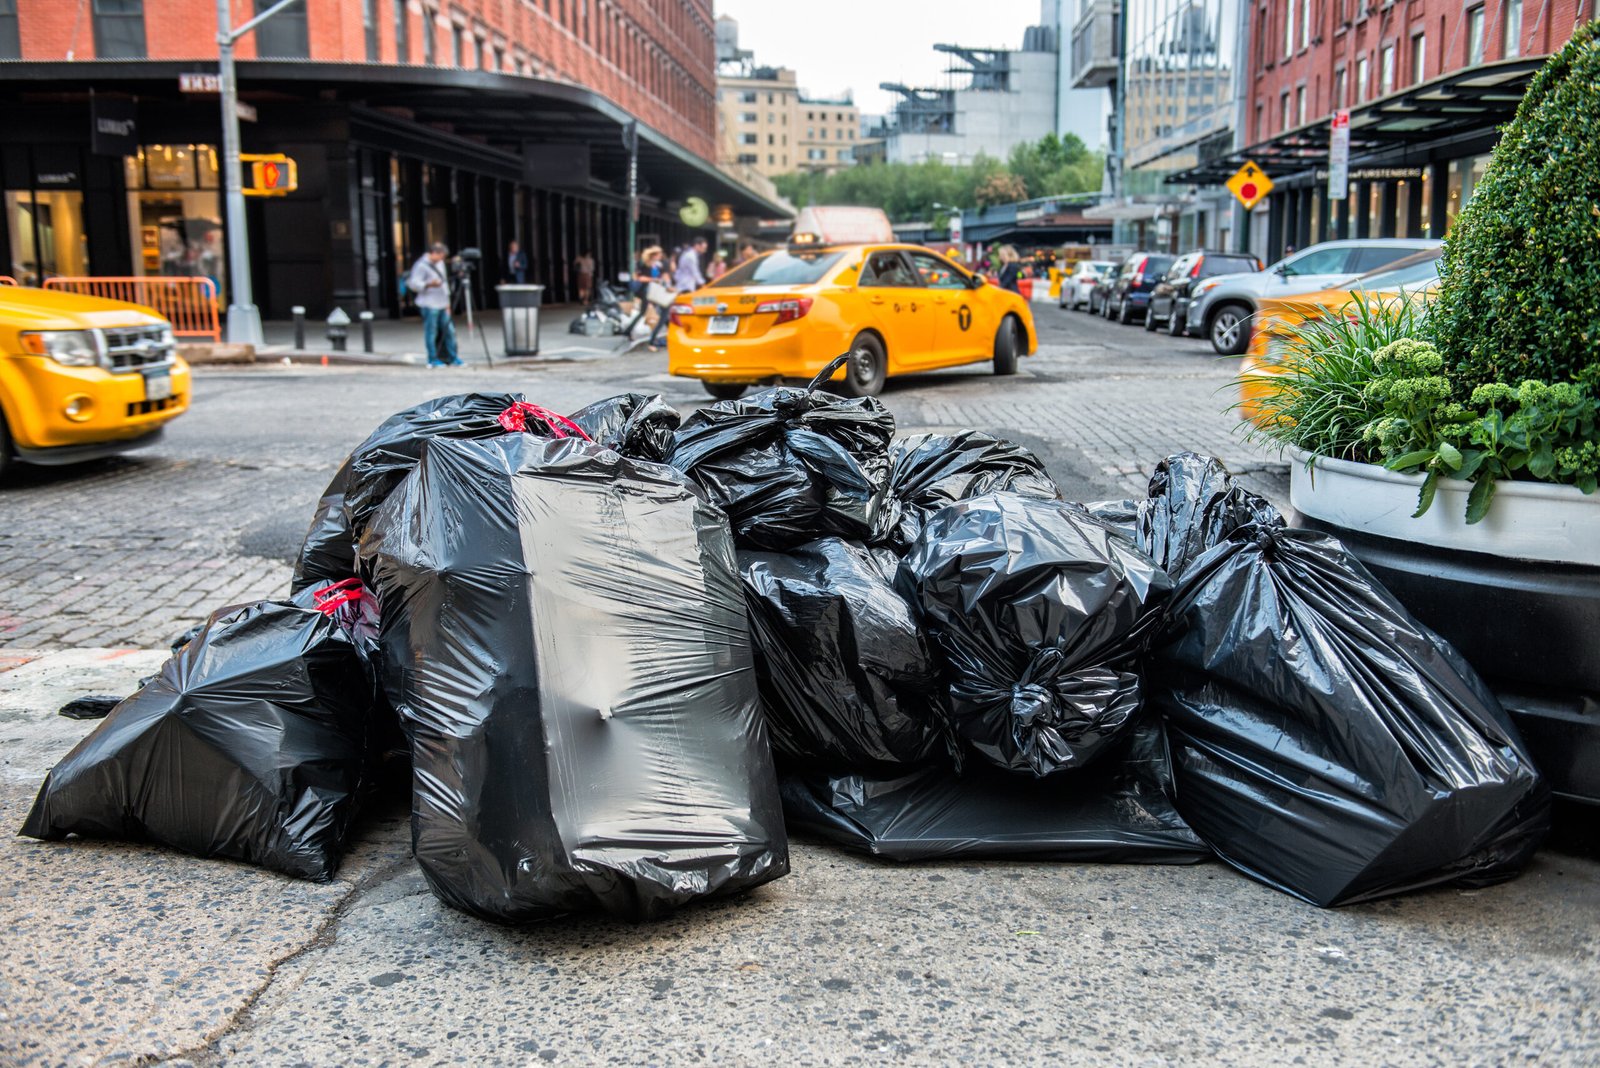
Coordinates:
column 1425, row 214
column 175, row 213
column 1402, row 208
column 47, row 237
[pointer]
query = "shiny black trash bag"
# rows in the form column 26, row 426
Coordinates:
column 251, row 743
column 790, row 465
column 635, row 424
column 848, row 681
column 1041, row 614
column 929, row 471
column 1115, row 812
column 1193, row 504
column 565, row 638
column 1323, row 741
column 376, row 466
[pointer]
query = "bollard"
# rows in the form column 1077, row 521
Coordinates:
column 338, row 328
column 299, row 313
column 366, row 331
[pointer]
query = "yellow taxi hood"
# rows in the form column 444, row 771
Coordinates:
column 26, row 308
column 1310, row 304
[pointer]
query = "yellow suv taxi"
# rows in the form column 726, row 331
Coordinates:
column 82, row 377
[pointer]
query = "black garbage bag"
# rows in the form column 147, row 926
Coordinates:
column 848, row 682
column 1194, row 504
column 1324, row 741
column 1122, row 517
column 790, row 465
column 565, row 638
column 250, row 744
column 1041, row 614
column 929, row 471
column 634, row 424
column 376, row 466
column 1117, row 811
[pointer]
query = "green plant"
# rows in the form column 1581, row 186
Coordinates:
column 1543, row 430
column 1520, row 292
column 1312, row 394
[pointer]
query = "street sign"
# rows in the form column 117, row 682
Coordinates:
column 199, row 83
column 1250, row 185
column 957, row 230
column 273, row 175
column 246, row 112
column 1339, row 156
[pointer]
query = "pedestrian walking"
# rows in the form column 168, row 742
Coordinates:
column 1010, row 268
column 687, row 276
column 429, row 283
column 516, row 264
column 747, row 252
column 651, row 277
column 719, row 265
column 583, row 267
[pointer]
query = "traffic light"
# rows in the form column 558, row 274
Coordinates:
column 273, row 175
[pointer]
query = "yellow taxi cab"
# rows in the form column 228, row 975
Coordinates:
column 83, row 377
column 1416, row 277
column 895, row 308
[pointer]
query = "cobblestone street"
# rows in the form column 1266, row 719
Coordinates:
column 129, row 552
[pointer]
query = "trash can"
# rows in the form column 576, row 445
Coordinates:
column 519, row 318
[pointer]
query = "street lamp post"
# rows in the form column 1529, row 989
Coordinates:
column 244, row 318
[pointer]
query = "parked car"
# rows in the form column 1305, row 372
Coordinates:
column 1102, row 289
column 1130, row 297
column 1075, row 288
column 82, row 377
column 1221, row 308
column 1169, row 301
column 1414, row 277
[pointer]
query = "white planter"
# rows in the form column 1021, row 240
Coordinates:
column 1533, row 521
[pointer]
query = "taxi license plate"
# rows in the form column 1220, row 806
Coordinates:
column 157, row 387
column 723, row 324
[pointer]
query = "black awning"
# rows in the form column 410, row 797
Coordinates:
column 501, row 111
column 1476, row 100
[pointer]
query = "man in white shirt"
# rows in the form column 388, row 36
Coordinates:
column 429, row 283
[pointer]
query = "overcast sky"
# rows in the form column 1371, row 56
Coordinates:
column 834, row 45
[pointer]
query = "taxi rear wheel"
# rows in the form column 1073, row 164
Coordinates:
column 725, row 390
column 1006, row 345
column 867, row 369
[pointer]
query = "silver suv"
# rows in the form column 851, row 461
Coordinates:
column 1221, row 307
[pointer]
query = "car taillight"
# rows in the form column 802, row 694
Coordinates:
column 788, row 310
column 1090, row 281
column 679, row 312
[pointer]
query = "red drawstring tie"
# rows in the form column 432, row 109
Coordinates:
column 516, row 417
column 330, row 598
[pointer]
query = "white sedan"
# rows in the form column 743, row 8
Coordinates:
column 1084, row 277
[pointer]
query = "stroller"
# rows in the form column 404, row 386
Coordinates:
column 605, row 316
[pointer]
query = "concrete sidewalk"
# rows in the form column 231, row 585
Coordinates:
column 399, row 341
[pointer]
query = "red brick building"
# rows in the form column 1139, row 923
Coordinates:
column 1427, row 83
column 468, row 121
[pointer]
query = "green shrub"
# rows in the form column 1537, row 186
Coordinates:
column 1520, row 293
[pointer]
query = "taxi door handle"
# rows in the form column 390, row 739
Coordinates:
column 877, row 298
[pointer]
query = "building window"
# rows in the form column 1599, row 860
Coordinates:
column 1261, row 122
column 10, row 39
column 402, row 33
column 747, row 98
column 749, row 139
column 1300, row 106
column 1361, row 80
column 748, row 116
column 456, row 37
column 1339, row 100
column 1283, row 111
column 369, row 28
column 772, row 139
column 1475, row 37
column 749, row 158
column 499, row 59
column 1305, row 23
column 771, row 159
column 430, row 36
column 769, row 98
column 119, row 29
column 1386, row 71
column 1419, row 58
column 284, row 35
column 1288, row 27
column 1513, row 29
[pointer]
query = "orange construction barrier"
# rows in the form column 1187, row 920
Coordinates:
column 189, row 304
column 7, row 280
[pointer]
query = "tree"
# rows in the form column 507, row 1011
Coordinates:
column 1519, row 294
column 1001, row 188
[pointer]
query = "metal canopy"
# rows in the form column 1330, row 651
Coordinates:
column 1475, row 100
column 501, row 112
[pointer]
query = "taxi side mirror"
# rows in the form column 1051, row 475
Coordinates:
column 977, row 281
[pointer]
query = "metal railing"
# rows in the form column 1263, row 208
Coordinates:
column 189, row 304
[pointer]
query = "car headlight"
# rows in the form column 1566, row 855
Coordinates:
column 70, row 348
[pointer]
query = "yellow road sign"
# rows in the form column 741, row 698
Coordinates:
column 1250, row 185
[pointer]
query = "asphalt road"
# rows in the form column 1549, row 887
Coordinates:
column 120, row 953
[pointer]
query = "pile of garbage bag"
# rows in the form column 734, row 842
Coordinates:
column 624, row 653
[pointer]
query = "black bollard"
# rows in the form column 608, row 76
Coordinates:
column 366, row 331
column 299, row 313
